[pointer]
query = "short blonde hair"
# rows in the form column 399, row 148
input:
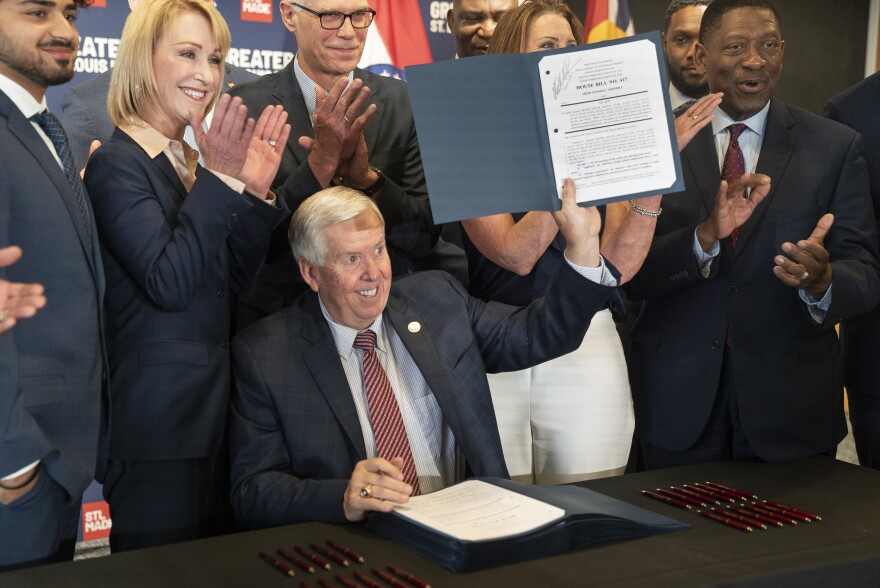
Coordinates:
column 321, row 210
column 133, row 81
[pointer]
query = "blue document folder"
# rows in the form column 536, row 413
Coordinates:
column 590, row 518
column 483, row 137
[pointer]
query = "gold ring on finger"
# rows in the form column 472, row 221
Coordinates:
column 367, row 491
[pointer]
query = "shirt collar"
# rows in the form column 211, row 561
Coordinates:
column 307, row 86
column 677, row 97
column 344, row 336
column 154, row 142
column 756, row 123
column 22, row 99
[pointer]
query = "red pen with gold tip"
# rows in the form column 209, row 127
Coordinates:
column 367, row 580
column 348, row 582
column 666, row 499
column 725, row 520
column 746, row 495
column 303, row 565
column 408, row 577
column 789, row 513
column 395, row 583
column 346, row 551
column 335, row 557
column 758, row 516
column 313, row 558
column 750, row 521
column 815, row 517
column 277, row 564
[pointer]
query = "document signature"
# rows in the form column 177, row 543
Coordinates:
column 563, row 78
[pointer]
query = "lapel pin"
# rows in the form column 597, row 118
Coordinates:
column 414, row 327
column 230, row 84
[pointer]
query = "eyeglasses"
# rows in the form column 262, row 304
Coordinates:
column 360, row 19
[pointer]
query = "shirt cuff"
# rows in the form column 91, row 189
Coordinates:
column 704, row 258
column 818, row 308
column 27, row 468
column 598, row 275
column 233, row 183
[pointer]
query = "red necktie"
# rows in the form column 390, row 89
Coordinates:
column 734, row 165
column 388, row 427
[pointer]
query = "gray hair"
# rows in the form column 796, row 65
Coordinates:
column 319, row 211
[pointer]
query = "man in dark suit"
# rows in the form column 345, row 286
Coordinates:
column 681, row 31
column 309, row 437
column 859, row 108
column 86, row 118
column 52, row 365
column 735, row 354
column 328, row 145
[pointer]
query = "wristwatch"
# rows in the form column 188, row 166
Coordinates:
column 377, row 185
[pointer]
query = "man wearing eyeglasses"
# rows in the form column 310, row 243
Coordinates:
column 337, row 138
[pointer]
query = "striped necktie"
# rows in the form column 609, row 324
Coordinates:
column 388, row 427
column 53, row 129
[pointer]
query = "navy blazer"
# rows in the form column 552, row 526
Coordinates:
column 294, row 431
column 785, row 366
column 172, row 260
column 859, row 108
column 85, row 116
column 51, row 365
column 393, row 148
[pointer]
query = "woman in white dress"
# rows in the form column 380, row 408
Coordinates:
column 571, row 418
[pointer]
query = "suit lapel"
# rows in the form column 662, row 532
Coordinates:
column 702, row 163
column 163, row 164
column 288, row 93
column 371, row 131
column 776, row 151
column 24, row 131
column 322, row 360
column 420, row 345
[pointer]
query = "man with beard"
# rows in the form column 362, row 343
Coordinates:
column 52, row 365
column 472, row 24
column 681, row 31
column 734, row 355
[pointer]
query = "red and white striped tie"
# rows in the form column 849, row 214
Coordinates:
column 388, row 427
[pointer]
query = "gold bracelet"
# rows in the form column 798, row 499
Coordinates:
column 644, row 211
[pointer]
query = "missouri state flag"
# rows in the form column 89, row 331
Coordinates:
column 607, row 19
column 397, row 38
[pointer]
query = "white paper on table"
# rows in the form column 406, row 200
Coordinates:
column 476, row 511
column 607, row 120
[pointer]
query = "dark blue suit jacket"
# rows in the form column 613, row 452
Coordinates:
column 50, row 365
column 172, row 260
column 785, row 366
column 294, row 432
column 859, row 108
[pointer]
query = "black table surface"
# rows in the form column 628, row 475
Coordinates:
column 841, row 549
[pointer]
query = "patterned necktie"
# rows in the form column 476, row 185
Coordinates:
column 734, row 165
column 388, row 427
column 52, row 127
